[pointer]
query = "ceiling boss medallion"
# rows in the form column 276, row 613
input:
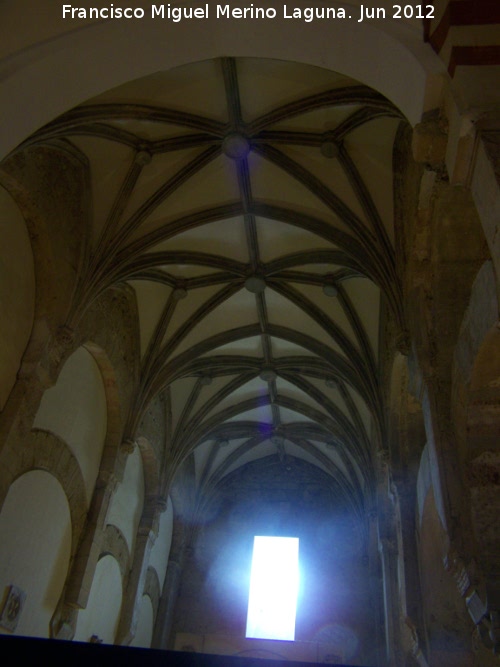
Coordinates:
column 236, row 146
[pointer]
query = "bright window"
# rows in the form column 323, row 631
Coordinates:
column 274, row 585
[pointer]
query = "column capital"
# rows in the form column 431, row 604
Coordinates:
column 128, row 445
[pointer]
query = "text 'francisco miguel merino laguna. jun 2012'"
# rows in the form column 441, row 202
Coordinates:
column 177, row 13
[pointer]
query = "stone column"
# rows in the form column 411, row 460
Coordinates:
column 388, row 549
column 171, row 586
column 408, row 565
column 82, row 572
column 376, row 587
column 410, row 598
column 146, row 536
column 388, row 556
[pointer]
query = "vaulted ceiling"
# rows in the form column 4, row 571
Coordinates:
column 249, row 204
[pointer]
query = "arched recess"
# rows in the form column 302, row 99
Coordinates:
column 478, row 365
column 35, row 533
column 476, row 394
column 75, row 410
column 476, row 369
column 45, row 451
column 17, row 292
column 152, row 589
column 102, row 370
column 144, row 632
column 100, row 617
column 115, row 544
column 448, row 626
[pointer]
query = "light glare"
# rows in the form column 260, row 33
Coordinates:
column 274, row 585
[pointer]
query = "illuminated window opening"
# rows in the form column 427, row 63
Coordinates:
column 274, row 586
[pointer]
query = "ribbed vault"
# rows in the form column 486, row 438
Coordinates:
column 249, row 204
